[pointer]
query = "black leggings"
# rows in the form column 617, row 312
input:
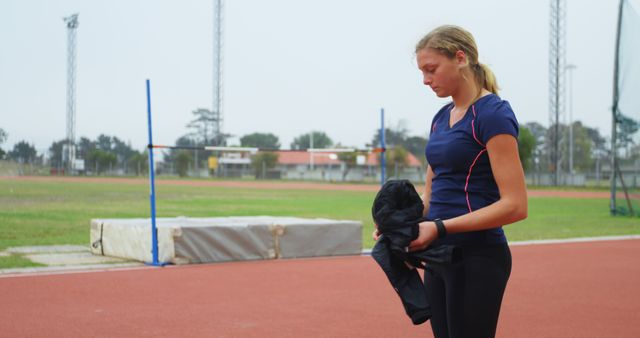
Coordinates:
column 465, row 296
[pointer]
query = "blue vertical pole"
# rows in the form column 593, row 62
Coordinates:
column 152, row 183
column 383, row 162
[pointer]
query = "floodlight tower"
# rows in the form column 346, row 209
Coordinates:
column 216, row 109
column 557, row 53
column 569, row 68
column 70, row 153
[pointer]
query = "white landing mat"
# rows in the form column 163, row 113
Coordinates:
column 183, row 240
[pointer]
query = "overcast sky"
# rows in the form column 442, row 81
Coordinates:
column 289, row 66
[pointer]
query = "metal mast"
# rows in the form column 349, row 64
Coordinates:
column 570, row 68
column 72, row 25
column 614, row 114
column 217, row 73
column 557, row 52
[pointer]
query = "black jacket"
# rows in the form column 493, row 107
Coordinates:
column 397, row 210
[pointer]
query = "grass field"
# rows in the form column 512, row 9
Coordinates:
column 48, row 213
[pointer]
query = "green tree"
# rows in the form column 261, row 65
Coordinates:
column 263, row 159
column 416, row 145
column 582, row 148
column 23, row 152
column 597, row 140
column 100, row 160
column 203, row 128
column 3, row 137
column 398, row 136
column 183, row 158
column 139, row 162
column 549, row 156
column 260, row 140
column 627, row 127
column 186, row 141
column 392, row 136
column 320, row 140
column 104, row 142
column 183, row 141
column 396, row 159
column 599, row 145
column 84, row 146
column 55, row 153
column 202, row 125
column 526, row 147
column 539, row 132
column 121, row 149
column 350, row 160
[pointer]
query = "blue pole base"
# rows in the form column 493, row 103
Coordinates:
column 160, row 264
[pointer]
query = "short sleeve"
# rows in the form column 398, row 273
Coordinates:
column 495, row 119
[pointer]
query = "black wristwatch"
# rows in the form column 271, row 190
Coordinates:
column 442, row 231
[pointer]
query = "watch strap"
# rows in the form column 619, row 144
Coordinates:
column 442, row 230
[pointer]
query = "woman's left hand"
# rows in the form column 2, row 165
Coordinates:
column 427, row 233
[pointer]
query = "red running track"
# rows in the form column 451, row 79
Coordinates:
column 556, row 290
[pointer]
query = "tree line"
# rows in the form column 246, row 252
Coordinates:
column 105, row 153
column 535, row 144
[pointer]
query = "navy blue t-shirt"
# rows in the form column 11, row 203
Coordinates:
column 463, row 180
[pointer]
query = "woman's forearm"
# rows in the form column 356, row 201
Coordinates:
column 503, row 212
column 426, row 195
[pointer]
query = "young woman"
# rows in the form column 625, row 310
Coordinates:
column 474, row 185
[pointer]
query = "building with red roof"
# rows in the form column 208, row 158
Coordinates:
column 328, row 166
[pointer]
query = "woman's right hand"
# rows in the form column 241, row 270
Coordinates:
column 376, row 233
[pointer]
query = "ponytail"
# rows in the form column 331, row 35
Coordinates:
column 485, row 77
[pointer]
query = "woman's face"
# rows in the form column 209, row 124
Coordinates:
column 439, row 72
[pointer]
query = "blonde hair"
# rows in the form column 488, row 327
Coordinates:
column 448, row 40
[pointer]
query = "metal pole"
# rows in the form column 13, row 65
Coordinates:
column 217, row 72
column 72, row 26
column 557, row 125
column 311, row 146
column 152, row 184
column 556, row 85
column 614, row 115
column 570, row 68
column 383, row 162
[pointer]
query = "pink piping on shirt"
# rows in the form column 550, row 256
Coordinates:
column 469, row 175
column 473, row 130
